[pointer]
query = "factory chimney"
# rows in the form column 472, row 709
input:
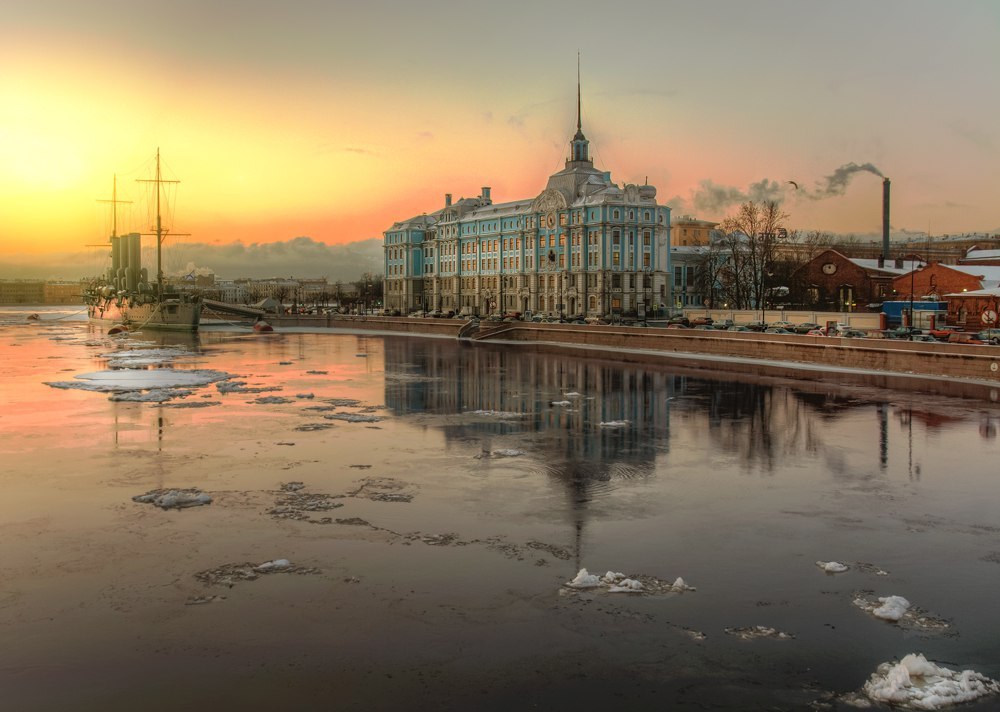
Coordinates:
column 885, row 218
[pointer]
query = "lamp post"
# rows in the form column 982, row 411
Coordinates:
column 913, row 272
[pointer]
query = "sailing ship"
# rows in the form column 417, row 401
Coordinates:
column 124, row 296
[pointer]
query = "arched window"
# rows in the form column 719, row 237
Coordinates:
column 616, row 214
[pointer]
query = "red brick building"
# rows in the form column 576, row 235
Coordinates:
column 974, row 310
column 832, row 281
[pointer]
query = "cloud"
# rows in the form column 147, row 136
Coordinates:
column 836, row 183
column 298, row 257
column 711, row 198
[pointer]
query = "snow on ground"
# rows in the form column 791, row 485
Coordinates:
column 914, row 683
column 140, row 379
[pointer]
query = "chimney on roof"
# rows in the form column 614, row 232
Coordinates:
column 486, row 194
column 447, row 200
column 885, row 218
column 881, row 261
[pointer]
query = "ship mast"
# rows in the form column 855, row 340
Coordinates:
column 160, row 233
column 114, row 206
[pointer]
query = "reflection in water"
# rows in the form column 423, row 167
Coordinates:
column 572, row 405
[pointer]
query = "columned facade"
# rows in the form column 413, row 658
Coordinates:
column 583, row 246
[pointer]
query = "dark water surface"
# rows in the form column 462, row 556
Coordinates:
column 478, row 481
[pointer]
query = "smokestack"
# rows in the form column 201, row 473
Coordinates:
column 486, row 194
column 885, row 218
column 447, row 200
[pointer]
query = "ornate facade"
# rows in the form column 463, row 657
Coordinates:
column 584, row 245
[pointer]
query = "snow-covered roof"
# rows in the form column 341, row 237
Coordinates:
column 889, row 267
column 977, row 254
column 989, row 275
column 992, row 292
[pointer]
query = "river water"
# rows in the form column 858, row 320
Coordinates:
column 433, row 499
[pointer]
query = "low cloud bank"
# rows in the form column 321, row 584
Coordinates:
column 299, row 257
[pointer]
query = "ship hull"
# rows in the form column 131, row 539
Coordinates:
column 168, row 315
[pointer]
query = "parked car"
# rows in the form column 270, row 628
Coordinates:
column 777, row 330
column 943, row 332
column 702, row 321
column 989, row 336
column 757, row 325
column 679, row 319
column 739, row 328
column 723, row 324
column 816, row 332
column 924, row 337
column 784, row 325
column 902, row 332
column 678, row 326
column 805, row 327
column 420, row 313
column 852, row 334
column 704, row 327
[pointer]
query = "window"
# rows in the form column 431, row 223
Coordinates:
column 615, row 214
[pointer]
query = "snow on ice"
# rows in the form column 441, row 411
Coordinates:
column 173, row 499
column 616, row 582
column 832, row 567
column 915, row 683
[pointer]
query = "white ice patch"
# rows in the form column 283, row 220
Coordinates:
column 573, row 394
column 563, row 403
column 617, row 582
column 584, row 580
column 275, row 565
column 832, row 567
column 615, row 424
column 892, row 609
column 915, row 683
column 507, row 452
column 140, row 379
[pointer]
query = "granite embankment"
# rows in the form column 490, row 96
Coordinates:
column 958, row 369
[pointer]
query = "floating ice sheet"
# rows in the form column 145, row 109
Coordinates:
column 832, row 567
column 130, row 379
column 914, row 683
column 616, row 582
column 174, row 499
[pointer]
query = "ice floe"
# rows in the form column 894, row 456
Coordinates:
column 495, row 414
column 915, row 683
column 832, row 567
column 242, row 387
column 354, row 417
column 900, row 611
column 759, row 631
column 503, row 452
column 615, row 424
column 140, row 379
column 616, row 582
column 174, row 498
column 562, row 403
column 273, row 400
column 231, row 574
column 154, row 395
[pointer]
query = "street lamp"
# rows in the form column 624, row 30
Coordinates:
column 913, row 272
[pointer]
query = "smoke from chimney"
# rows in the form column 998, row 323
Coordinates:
column 711, row 198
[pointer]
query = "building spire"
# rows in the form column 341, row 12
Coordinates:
column 579, row 146
column 579, row 113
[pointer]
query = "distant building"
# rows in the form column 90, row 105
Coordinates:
column 584, row 245
column 832, row 281
column 40, row 292
column 688, row 231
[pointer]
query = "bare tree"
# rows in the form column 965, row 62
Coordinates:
column 752, row 236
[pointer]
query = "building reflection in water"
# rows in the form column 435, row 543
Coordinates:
column 576, row 402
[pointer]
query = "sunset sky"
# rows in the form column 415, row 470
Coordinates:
column 331, row 120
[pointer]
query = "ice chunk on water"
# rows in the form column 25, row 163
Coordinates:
column 626, row 585
column 173, row 499
column 275, row 565
column 916, row 683
column 892, row 609
column 832, row 567
column 584, row 580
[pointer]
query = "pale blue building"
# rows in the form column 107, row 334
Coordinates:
column 583, row 246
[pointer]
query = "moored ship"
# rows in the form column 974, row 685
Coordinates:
column 124, row 295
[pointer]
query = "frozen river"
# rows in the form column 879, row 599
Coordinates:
column 427, row 501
